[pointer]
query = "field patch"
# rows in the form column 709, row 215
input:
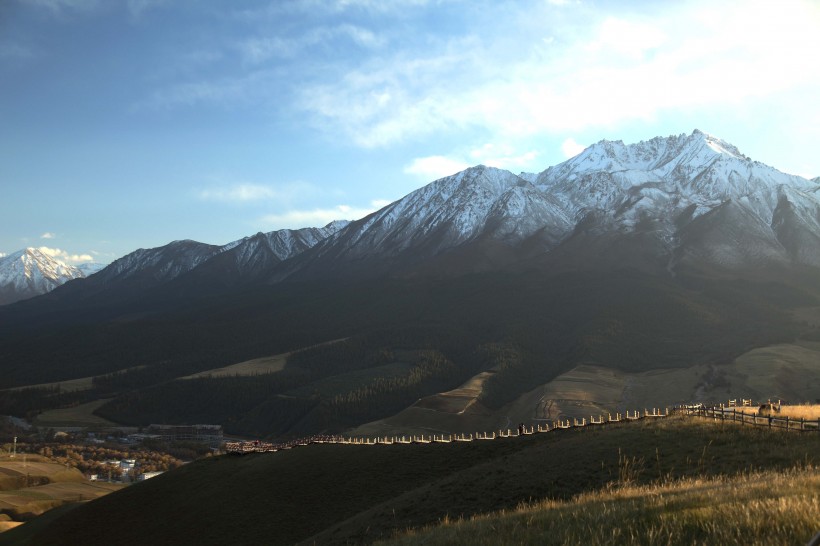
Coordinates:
column 70, row 385
column 256, row 366
column 457, row 400
column 30, row 502
column 77, row 416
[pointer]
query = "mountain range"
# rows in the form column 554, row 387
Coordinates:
column 676, row 252
column 687, row 200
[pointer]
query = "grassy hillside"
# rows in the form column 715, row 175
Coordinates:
column 337, row 494
column 761, row 508
column 31, row 485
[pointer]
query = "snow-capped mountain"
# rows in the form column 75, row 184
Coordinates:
column 683, row 199
column 160, row 264
column 163, row 264
column 254, row 256
column 663, row 204
column 29, row 272
column 203, row 267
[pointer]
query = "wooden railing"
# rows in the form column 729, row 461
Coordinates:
column 267, row 447
column 720, row 413
column 751, row 417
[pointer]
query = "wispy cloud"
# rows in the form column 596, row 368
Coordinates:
column 61, row 6
column 248, row 192
column 277, row 8
column 47, row 235
column 503, row 156
column 137, row 8
column 260, row 49
column 295, row 219
column 606, row 71
column 241, row 192
column 64, row 256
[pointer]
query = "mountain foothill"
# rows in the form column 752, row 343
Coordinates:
column 671, row 253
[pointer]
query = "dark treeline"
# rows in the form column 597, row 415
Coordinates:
column 28, row 402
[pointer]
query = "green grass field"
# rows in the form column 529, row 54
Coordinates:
column 334, row 494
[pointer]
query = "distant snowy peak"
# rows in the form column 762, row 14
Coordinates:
column 90, row 268
column 30, row 272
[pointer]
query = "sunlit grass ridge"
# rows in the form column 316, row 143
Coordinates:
column 773, row 507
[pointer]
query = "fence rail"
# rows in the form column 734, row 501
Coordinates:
column 754, row 418
column 717, row 413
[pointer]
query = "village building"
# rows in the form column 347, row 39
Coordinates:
column 204, row 434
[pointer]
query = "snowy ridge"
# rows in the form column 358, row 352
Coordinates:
column 667, row 183
column 249, row 254
column 162, row 263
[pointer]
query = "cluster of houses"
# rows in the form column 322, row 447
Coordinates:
column 124, row 470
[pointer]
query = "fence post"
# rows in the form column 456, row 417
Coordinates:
column 787, row 422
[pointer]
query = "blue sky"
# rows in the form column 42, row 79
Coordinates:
column 132, row 123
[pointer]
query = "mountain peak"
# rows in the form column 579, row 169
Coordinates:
column 31, row 272
column 716, row 144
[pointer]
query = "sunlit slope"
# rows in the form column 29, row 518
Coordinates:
column 339, row 493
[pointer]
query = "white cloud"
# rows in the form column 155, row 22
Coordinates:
column 435, row 167
column 295, row 219
column 64, row 256
column 3, row 254
column 502, row 156
column 47, row 235
column 600, row 71
column 570, row 148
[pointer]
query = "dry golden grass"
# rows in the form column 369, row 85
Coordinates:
column 759, row 508
column 807, row 411
column 6, row 525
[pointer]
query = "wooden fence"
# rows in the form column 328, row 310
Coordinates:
column 752, row 417
column 717, row 413
column 266, row 447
